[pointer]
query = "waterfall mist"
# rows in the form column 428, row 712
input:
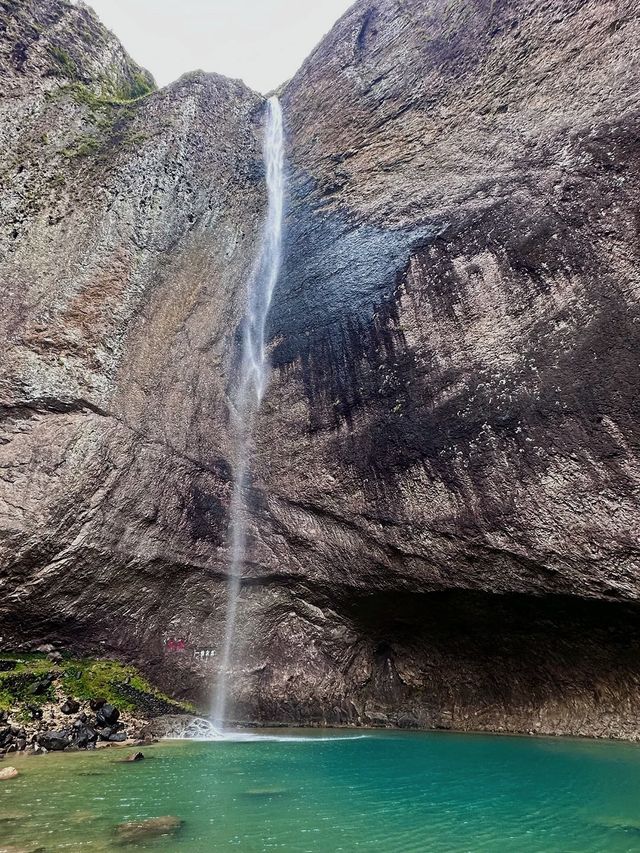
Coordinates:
column 251, row 382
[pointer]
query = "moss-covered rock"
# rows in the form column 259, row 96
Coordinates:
column 36, row 680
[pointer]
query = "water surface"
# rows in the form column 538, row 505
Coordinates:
column 389, row 791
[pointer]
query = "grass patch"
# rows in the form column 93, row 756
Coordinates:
column 27, row 683
column 111, row 115
column 139, row 86
column 64, row 64
column 82, row 147
column 82, row 678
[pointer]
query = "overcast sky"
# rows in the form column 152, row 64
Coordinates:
column 263, row 42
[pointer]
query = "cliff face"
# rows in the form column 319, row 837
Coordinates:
column 455, row 338
column 129, row 219
column 445, row 494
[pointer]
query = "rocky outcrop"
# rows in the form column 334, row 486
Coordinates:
column 444, row 504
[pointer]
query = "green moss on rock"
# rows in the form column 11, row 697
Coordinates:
column 82, row 147
column 64, row 64
column 33, row 680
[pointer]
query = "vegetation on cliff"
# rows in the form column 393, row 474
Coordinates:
column 33, row 679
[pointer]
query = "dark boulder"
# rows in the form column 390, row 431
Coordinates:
column 96, row 704
column 41, row 685
column 83, row 736
column 118, row 737
column 71, row 706
column 54, row 741
column 105, row 732
column 107, row 715
column 135, row 756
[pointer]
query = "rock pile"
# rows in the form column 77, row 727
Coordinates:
column 95, row 723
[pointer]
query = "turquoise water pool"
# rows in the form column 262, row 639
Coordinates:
column 390, row 791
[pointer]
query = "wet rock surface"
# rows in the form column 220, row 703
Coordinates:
column 445, row 488
column 154, row 827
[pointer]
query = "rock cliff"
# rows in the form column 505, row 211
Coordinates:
column 444, row 504
column 128, row 222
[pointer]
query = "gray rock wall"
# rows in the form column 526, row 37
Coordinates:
column 455, row 342
column 129, row 220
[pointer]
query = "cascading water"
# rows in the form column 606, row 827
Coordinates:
column 251, row 381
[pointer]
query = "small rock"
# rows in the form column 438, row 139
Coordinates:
column 42, row 685
column 96, row 704
column 70, row 706
column 119, row 737
column 8, row 773
column 154, row 827
column 46, row 649
column 265, row 792
column 55, row 657
column 135, row 756
column 12, row 817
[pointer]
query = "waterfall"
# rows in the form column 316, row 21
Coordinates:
column 251, row 381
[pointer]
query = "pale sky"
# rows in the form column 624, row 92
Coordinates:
column 262, row 42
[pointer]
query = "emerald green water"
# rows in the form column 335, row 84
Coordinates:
column 391, row 792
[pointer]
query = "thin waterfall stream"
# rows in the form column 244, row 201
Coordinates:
column 251, row 383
